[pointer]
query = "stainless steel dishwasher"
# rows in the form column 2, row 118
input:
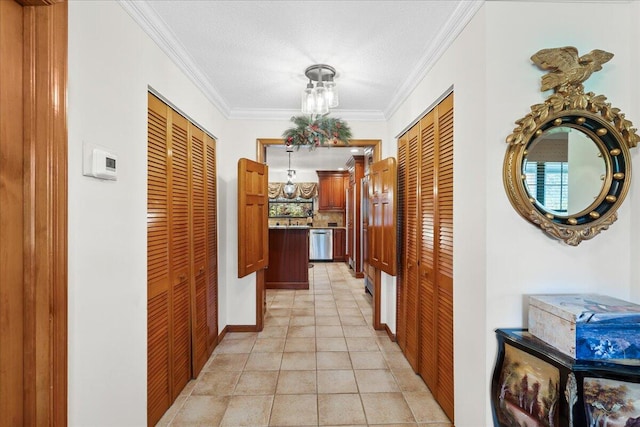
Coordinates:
column 321, row 244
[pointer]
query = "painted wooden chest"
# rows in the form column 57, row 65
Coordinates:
column 536, row 385
column 587, row 326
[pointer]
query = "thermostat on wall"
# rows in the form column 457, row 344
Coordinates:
column 99, row 163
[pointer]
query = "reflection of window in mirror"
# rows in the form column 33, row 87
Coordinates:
column 548, row 182
column 547, row 164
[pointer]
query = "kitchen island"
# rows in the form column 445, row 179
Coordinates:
column 288, row 258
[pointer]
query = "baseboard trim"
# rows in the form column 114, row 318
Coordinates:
column 392, row 336
column 241, row 328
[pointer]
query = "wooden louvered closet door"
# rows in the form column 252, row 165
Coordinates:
column 179, row 243
column 410, row 285
column 428, row 330
column 212, row 242
column 425, row 287
column 199, row 238
column 444, row 239
column 401, row 303
column 158, row 319
column 181, row 254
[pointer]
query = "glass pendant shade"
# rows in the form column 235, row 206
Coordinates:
column 289, row 189
column 332, row 94
column 309, row 99
column 322, row 107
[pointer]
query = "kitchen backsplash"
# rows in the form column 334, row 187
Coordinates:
column 320, row 219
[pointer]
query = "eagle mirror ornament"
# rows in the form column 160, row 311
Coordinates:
column 568, row 168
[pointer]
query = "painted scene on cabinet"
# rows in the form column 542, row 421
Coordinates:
column 611, row 403
column 528, row 391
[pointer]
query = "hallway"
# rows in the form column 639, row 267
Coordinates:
column 318, row 362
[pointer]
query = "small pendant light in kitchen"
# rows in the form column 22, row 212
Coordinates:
column 289, row 188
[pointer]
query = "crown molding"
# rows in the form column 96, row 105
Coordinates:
column 156, row 28
column 453, row 27
column 280, row 114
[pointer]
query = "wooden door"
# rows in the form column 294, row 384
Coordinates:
column 158, row 297
column 382, row 216
column 33, row 213
column 253, row 227
column 181, row 254
column 425, row 151
column 356, row 172
column 203, row 237
column 444, row 266
column 365, row 227
column 408, row 150
column 349, row 223
column 425, row 285
column 212, row 242
column 12, row 216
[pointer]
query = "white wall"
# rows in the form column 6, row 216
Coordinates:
column 111, row 63
column 634, row 114
column 500, row 258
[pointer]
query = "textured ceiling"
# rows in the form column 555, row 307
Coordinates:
column 249, row 57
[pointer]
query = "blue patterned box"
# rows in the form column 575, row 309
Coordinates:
column 587, row 326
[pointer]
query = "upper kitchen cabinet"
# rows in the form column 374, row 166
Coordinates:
column 331, row 188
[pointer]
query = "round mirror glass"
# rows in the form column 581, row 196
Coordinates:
column 564, row 171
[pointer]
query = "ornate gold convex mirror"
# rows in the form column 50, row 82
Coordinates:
column 567, row 168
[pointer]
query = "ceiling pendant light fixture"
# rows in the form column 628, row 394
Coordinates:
column 318, row 98
column 289, row 188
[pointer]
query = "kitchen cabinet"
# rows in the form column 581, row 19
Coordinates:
column 339, row 244
column 331, row 187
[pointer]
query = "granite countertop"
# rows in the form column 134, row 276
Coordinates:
column 306, row 226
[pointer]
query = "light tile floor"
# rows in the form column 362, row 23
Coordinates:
column 318, row 362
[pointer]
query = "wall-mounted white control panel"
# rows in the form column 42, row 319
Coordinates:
column 99, row 162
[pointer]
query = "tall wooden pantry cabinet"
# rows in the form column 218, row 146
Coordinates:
column 425, row 282
column 182, row 276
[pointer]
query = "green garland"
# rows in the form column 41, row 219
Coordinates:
column 316, row 132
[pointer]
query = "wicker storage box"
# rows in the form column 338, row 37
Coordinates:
column 587, row 326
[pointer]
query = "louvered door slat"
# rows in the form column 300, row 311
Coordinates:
column 181, row 341
column 445, row 389
column 412, row 330
column 158, row 399
column 179, row 200
column 401, row 303
column 445, row 191
column 179, row 253
column 199, row 235
column 212, row 244
column 428, row 315
column 158, row 361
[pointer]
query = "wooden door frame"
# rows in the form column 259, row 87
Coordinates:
column 45, row 193
column 261, row 154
